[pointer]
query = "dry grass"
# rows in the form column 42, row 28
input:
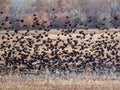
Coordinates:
column 61, row 85
column 35, row 82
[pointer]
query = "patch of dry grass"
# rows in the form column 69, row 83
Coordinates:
column 61, row 85
column 32, row 82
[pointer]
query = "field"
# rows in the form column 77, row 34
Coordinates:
column 97, row 79
column 61, row 85
column 53, row 34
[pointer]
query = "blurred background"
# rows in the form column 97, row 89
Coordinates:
column 61, row 13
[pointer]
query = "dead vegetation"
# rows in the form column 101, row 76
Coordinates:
column 60, row 85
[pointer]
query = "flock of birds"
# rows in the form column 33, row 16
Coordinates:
column 66, row 52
